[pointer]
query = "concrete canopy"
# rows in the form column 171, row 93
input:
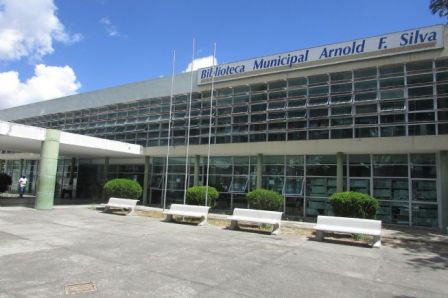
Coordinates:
column 28, row 139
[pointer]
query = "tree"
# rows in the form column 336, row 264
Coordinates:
column 439, row 6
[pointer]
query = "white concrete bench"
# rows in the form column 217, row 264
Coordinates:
column 122, row 204
column 273, row 218
column 187, row 211
column 350, row 226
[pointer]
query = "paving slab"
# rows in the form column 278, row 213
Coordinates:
column 134, row 256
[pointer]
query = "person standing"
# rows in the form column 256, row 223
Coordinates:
column 22, row 185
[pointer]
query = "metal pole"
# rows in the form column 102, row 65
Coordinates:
column 188, row 128
column 210, row 123
column 169, row 131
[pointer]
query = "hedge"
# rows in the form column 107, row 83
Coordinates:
column 264, row 199
column 196, row 195
column 123, row 188
column 354, row 204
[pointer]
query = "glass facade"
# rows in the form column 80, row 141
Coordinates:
column 386, row 101
column 404, row 184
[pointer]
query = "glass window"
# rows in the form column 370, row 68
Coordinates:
column 342, row 121
column 393, row 131
column 365, row 73
column 318, row 123
column 341, row 88
column 392, row 118
column 366, row 132
column 277, row 85
column 296, row 82
column 392, row 82
column 277, row 95
column 424, row 215
column 392, row 94
column 366, row 109
column 398, row 105
column 276, row 115
column 419, row 66
column 420, row 91
column 366, row 120
column 341, row 76
column 297, row 135
column 318, row 134
column 342, row 133
column 297, row 114
column 258, row 127
column 366, row 96
column 241, row 99
column 293, row 186
column 296, row 103
column 342, row 110
column 442, row 76
column 418, row 117
column 420, row 79
column 318, row 90
column 421, row 105
column 297, row 93
column 296, row 124
column 318, row 101
column 258, row 117
column 391, row 71
column 258, row 97
column 258, row 107
column 341, row 98
column 318, row 79
column 318, row 113
column 365, row 85
column 257, row 137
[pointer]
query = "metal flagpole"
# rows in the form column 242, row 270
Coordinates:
column 188, row 128
column 169, row 131
column 210, row 123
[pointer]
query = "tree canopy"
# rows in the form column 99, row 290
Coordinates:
column 439, row 7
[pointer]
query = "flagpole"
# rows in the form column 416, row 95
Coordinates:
column 169, row 131
column 188, row 126
column 210, row 124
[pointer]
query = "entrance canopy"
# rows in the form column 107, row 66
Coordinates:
column 28, row 139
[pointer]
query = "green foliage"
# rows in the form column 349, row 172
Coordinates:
column 354, row 204
column 5, row 181
column 196, row 195
column 264, row 199
column 439, row 7
column 123, row 188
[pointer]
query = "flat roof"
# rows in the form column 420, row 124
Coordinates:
column 28, row 139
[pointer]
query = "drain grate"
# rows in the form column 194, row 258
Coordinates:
column 80, row 288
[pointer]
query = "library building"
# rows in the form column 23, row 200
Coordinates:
column 367, row 115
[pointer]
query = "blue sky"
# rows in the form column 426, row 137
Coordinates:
column 106, row 43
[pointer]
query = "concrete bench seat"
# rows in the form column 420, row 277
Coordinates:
column 256, row 216
column 349, row 225
column 121, row 204
column 187, row 211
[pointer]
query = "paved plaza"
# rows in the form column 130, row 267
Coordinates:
column 42, row 252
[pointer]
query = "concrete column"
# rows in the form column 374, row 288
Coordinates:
column 197, row 161
column 47, row 170
column 146, row 181
column 21, row 167
column 443, row 180
column 259, row 170
column 339, row 172
column 105, row 175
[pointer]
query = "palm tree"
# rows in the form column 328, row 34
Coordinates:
column 439, row 6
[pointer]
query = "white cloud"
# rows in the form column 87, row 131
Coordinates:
column 28, row 29
column 111, row 29
column 48, row 82
column 201, row 63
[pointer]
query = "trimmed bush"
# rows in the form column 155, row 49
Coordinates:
column 123, row 188
column 196, row 195
column 5, row 182
column 354, row 204
column 264, row 199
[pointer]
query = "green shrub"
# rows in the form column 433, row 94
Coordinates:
column 196, row 195
column 123, row 188
column 354, row 204
column 5, row 181
column 264, row 199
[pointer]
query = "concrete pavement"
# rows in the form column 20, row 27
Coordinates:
column 41, row 252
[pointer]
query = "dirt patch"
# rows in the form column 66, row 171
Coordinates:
column 154, row 214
